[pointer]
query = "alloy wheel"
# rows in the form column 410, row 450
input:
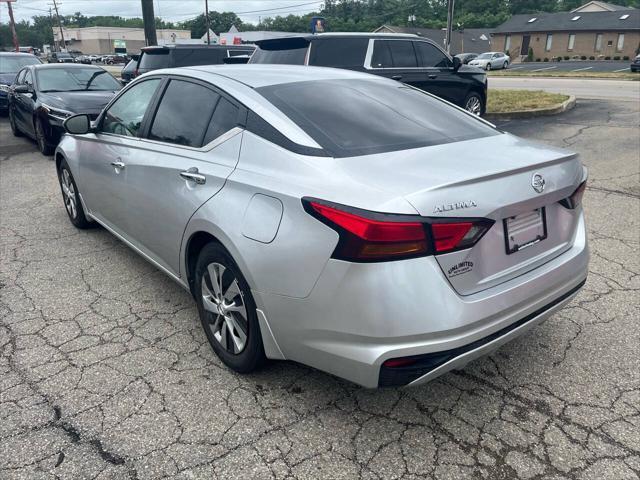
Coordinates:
column 226, row 310
column 473, row 105
column 69, row 193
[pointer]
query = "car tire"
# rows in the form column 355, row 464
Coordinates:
column 227, row 310
column 71, row 198
column 14, row 126
column 488, row 67
column 505, row 66
column 473, row 104
column 41, row 138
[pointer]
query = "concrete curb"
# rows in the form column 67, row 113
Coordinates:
column 565, row 106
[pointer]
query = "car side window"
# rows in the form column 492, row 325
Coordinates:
column 224, row 118
column 430, row 56
column 28, row 79
column 381, row 57
column 339, row 52
column 20, row 77
column 184, row 113
column 125, row 116
column 402, row 54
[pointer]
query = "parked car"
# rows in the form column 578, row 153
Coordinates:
column 635, row 65
column 10, row 65
column 43, row 96
column 84, row 59
column 491, row 61
column 337, row 219
column 184, row 55
column 410, row 59
column 60, row 57
column 126, row 75
column 116, row 59
column 94, row 58
column 465, row 58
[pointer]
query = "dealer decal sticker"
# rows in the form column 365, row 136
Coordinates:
column 459, row 269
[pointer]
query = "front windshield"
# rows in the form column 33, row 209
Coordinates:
column 484, row 55
column 13, row 64
column 75, row 79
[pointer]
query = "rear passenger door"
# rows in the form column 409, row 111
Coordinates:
column 396, row 59
column 441, row 79
column 190, row 146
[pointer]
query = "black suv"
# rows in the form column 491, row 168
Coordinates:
column 410, row 59
column 186, row 55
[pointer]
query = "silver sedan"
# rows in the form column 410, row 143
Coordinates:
column 491, row 61
column 330, row 217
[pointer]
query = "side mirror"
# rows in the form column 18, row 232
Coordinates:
column 457, row 63
column 22, row 88
column 77, row 124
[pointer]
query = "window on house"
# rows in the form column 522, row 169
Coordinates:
column 598, row 42
column 531, row 20
column 624, row 17
column 507, row 42
column 620, row 44
column 577, row 17
column 610, row 43
column 572, row 41
column 547, row 46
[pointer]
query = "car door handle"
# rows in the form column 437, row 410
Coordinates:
column 119, row 165
column 396, row 77
column 432, row 76
column 193, row 175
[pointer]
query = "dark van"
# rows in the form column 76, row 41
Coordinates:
column 169, row 56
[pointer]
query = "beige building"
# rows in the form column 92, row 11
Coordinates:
column 596, row 30
column 105, row 40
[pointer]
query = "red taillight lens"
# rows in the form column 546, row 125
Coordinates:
column 575, row 199
column 451, row 236
column 364, row 238
column 376, row 237
column 399, row 362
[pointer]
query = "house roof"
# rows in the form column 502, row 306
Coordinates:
column 477, row 40
column 603, row 6
column 564, row 22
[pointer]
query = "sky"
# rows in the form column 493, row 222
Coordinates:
column 170, row 10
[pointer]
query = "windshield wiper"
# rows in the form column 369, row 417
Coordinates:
column 93, row 77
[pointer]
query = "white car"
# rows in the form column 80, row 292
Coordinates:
column 491, row 61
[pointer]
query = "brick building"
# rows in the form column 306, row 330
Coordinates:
column 596, row 29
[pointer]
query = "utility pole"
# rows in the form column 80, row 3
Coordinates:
column 64, row 44
column 12, row 24
column 206, row 17
column 149, row 19
column 450, row 4
column 53, row 45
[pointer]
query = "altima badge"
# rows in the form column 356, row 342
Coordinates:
column 537, row 182
column 454, row 206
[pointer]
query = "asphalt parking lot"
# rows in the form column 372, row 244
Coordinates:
column 105, row 372
column 574, row 66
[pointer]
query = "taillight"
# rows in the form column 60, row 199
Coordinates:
column 575, row 198
column 375, row 237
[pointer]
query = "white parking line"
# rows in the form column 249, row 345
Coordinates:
column 581, row 69
column 622, row 69
column 515, row 68
column 541, row 69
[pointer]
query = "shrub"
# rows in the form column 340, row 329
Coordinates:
column 546, row 59
column 607, row 58
column 583, row 57
column 566, row 57
column 592, row 57
column 625, row 58
column 617, row 57
column 537, row 59
column 530, row 55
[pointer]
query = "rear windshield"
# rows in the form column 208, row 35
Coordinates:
column 12, row 64
column 282, row 52
column 154, row 59
column 372, row 116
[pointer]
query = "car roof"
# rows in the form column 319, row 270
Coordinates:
column 17, row 54
column 320, row 36
column 195, row 45
column 47, row 66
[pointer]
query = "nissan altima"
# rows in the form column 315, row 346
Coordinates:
column 341, row 220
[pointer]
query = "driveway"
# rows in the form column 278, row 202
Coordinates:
column 622, row 90
column 105, row 372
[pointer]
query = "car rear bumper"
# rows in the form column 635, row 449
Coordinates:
column 360, row 315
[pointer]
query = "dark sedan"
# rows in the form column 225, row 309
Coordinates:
column 43, row 96
column 10, row 65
